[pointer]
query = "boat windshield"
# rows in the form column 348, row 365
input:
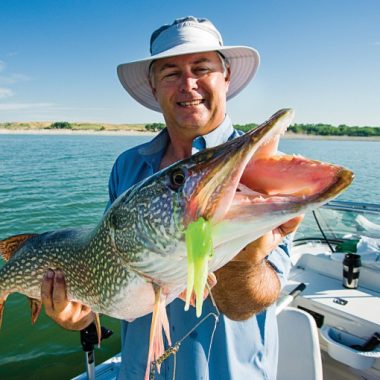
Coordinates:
column 347, row 226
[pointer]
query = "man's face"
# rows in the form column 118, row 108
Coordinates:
column 191, row 90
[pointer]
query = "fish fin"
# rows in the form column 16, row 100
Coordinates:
column 159, row 322
column 98, row 328
column 3, row 298
column 10, row 245
column 35, row 306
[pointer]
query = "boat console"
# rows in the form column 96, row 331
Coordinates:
column 348, row 318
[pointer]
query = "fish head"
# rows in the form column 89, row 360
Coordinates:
column 243, row 188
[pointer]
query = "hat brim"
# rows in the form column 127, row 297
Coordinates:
column 243, row 61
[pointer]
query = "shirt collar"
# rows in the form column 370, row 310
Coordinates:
column 153, row 150
column 217, row 136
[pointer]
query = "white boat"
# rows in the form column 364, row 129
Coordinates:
column 328, row 331
column 344, row 317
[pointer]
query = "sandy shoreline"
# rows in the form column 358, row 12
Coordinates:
column 296, row 136
column 4, row 131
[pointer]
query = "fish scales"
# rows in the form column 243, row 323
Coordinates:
column 89, row 267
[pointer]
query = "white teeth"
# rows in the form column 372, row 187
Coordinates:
column 191, row 103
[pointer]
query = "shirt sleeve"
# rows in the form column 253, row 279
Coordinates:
column 112, row 186
column 279, row 259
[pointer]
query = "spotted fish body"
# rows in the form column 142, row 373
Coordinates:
column 93, row 271
column 139, row 245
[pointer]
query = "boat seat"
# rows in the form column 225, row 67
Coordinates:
column 299, row 351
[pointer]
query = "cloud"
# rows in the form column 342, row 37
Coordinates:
column 12, row 54
column 5, row 92
column 13, row 78
column 22, row 106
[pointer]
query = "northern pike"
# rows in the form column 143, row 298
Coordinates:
column 197, row 213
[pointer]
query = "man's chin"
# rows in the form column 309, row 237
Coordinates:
column 203, row 122
column 193, row 122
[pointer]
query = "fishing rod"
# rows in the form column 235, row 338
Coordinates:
column 88, row 339
column 287, row 299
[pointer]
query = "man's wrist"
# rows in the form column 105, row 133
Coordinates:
column 252, row 255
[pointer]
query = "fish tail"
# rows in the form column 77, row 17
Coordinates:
column 8, row 248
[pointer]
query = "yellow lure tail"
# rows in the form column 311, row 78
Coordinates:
column 200, row 249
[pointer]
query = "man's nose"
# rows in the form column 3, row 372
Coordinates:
column 188, row 82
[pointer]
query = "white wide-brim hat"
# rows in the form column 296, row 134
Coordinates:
column 187, row 35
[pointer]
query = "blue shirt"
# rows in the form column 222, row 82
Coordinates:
column 240, row 349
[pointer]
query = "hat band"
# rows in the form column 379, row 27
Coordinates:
column 193, row 35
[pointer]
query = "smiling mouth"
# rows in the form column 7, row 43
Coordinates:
column 191, row 103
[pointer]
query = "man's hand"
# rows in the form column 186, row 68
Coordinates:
column 256, row 251
column 69, row 315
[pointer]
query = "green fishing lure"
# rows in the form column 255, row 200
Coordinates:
column 200, row 249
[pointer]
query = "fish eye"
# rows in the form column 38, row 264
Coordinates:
column 177, row 178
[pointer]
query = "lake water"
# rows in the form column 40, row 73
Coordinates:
column 51, row 182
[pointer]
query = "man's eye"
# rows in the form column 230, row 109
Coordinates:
column 202, row 70
column 170, row 75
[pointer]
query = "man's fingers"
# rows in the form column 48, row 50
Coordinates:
column 182, row 296
column 291, row 225
column 59, row 292
column 84, row 321
column 81, row 317
column 69, row 315
column 47, row 290
column 285, row 229
column 211, row 280
column 53, row 292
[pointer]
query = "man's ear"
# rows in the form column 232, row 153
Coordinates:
column 227, row 78
column 154, row 91
column 228, row 74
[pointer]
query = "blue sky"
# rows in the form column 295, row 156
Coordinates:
column 58, row 58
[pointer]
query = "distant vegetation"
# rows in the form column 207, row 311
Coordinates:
column 323, row 130
column 330, row 130
column 319, row 129
column 61, row 125
column 245, row 127
column 154, row 127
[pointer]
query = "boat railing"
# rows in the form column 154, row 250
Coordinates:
column 353, row 206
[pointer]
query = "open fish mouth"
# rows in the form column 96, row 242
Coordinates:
column 248, row 173
column 287, row 182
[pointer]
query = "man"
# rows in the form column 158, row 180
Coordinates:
column 189, row 77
